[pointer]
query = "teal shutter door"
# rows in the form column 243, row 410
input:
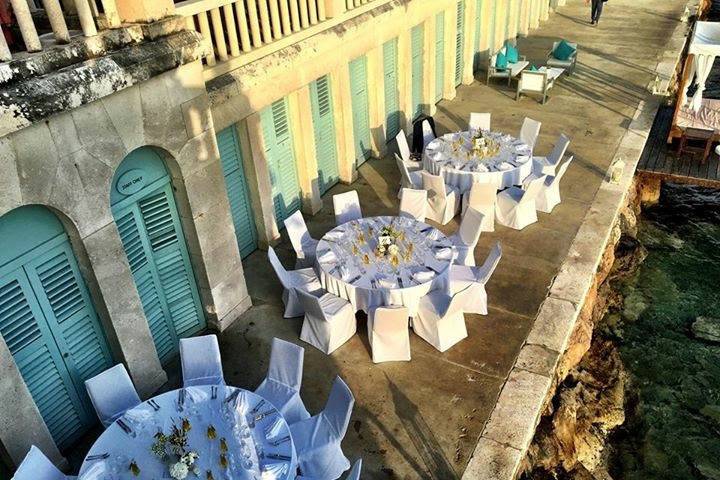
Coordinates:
column 360, row 105
column 280, row 153
column 49, row 323
column 477, row 58
column 439, row 56
column 417, row 37
column 324, row 130
column 152, row 237
column 392, row 96
column 459, row 42
column 237, row 191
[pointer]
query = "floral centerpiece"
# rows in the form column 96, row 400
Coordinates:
column 172, row 449
column 387, row 242
column 483, row 146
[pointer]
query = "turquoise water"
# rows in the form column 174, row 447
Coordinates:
column 673, row 425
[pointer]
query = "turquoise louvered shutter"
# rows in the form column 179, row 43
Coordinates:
column 417, row 35
column 392, row 96
column 324, row 130
column 459, row 42
column 237, row 190
column 152, row 237
column 360, row 113
column 439, row 56
column 50, row 326
column 477, row 58
column 280, row 154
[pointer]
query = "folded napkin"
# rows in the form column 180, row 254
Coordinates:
column 444, row 254
column 505, row 166
column 274, row 429
column 98, row 470
column 522, row 159
column 424, row 276
column 328, row 257
column 335, row 234
column 387, row 282
column 434, row 234
column 273, row 471
column 480, row 167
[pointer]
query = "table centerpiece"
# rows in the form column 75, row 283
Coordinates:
column 172, row 449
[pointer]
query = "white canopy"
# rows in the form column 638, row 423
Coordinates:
column 704, row 47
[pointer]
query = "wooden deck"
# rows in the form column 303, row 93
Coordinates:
column 659, row 158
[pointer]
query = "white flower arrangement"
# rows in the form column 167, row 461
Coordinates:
column 393, row 250
column 179, row 471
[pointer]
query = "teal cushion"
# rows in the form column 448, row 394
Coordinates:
column 512, row 53
column 501, row 61
column 563, row 51
column 533, row 68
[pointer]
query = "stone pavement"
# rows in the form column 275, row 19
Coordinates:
column 422, row 419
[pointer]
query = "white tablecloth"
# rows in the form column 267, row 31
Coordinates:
column 268, row 445
column 460, row 169
column 347, row 266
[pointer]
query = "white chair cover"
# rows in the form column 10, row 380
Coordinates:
column 200, row 361
column 413, row 204
column 36, row 466
column 548, row 165
column 317, row 439
column 516, row 207
column 549, row 195
column 443, row 200
column 428, row 134
column 329, row 321
column 389, row 335
column 482, row 197
column 304, row 279
column 301, row 240
column 408, row 179
column 355, row 471
column 467, row 236
column 281, row 386
column 529, row 131
column 347, row 207
column 112, row 393
column 479, row 121
column 475, row 278
column 404, row 151
column 440, row 320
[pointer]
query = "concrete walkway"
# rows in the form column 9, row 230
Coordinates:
column 422, row 419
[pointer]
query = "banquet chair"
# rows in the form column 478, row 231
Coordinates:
column 301, row 240
column 516, row 207
column 355, row 471
column 548, row 165
column 317, row 439
column 408, row 179
column 413, row 204
column 466, row 238
column 482, row 197
column 36, row 466
column 347, row 207
column 475, row 278
column 529, row 131
column 479, row 121
column 549, row 196
column 404, row 151
column 304, row 279
column 281, row 385
column 200, row 361
column 329, row 321
column 388, row 334
column 443, row 200
column 440, row 320
column 428, row 134
column 112, row 393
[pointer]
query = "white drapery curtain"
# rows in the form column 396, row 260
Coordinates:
column 702, row 65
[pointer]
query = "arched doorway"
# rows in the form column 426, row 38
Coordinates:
column 147, row 218
column 48, row 321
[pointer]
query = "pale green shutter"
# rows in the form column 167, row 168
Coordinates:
column 439, row 56
column 360, row 105
column 460, row 42
column 392, row 96
column 324, row 129
column 281, row 160
column 477, row 59
column 237, row 190
column 417, row 37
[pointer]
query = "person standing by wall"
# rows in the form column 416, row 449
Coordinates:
column 596, row 11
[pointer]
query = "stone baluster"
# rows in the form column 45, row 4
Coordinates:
column 295, row 15
column 112, row 17
column 207, row 36
column 87, row 22
column 312, row 12
column 243, row 26
column 304, row 19
column 26, row 24
column 254, row 23
column 218, row 38
column 54, row 12
column 275, row 19
column 285, row 17
column 231, row 30
column 5, row 55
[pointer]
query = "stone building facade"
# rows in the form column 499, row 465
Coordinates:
column 144, row 157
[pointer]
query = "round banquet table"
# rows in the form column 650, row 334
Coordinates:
column 451, row 156
column 348, row 267
column 259, row 444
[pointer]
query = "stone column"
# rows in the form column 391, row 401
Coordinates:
column 405, row 78
column 376, row 100
column 128, row 331
column 23, row 426
column 450, row 45
column 258, row 177
column 301, row 124
column 144, row 11
column 342, row 105
column 469, row 48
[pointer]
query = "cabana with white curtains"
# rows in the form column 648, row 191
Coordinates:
column 703, row 49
